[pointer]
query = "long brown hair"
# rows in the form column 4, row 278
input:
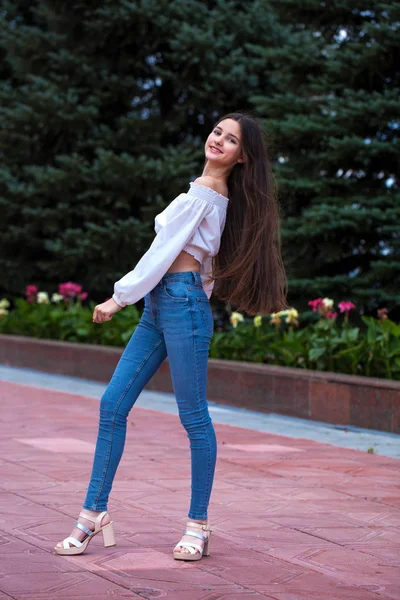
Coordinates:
column 248, row 270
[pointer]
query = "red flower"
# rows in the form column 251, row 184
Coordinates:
column 315, row 304
column 30, row 290
column 83, row 295
column 331, row 315
column 346, row 306
column 69, row 289
column 30, row 293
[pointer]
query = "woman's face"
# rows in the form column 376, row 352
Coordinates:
column 224, row 145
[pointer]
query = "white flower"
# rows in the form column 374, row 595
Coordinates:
column 42, row 298
column 257, row 321
column 236, row 318
column 3, row 312
column 4, row 303
column 291, row 316
column 327, row 302
column 56, row 298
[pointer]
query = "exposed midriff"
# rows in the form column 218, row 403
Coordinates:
column 184, row 262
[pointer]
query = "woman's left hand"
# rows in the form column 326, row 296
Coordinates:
column 104, row 312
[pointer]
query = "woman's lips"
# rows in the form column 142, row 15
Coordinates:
column 215, row 150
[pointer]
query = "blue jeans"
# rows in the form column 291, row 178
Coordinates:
column 176, row 322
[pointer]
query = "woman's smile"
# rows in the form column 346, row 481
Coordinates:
column 224, row 141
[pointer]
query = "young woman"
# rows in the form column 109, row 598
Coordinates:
column 189, row 257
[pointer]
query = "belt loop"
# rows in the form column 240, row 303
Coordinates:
column 193, row 277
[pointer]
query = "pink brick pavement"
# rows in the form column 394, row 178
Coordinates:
column 293, row 519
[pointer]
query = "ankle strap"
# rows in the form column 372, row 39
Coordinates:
column 97, row 519
column 203, row 526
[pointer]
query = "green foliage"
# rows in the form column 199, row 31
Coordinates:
column 325, row 345
column 334, row 121
column 105, row 107
column 70, row 322
column 383, row 348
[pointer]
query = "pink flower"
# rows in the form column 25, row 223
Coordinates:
column 30, row 290
column 346, row 306
column 83, row 295
column 331, row 315
column 382, row 313
column 30, row 293
column 69, row 289
column 315, row 304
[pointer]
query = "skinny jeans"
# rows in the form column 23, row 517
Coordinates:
column 176, row 322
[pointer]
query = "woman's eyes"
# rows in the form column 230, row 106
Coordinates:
column 219, row 133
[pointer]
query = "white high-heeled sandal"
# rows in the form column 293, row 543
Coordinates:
column 192, row 546
column 80, row 547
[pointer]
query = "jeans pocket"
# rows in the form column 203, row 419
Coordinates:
column 206, row 313
column 176, row 290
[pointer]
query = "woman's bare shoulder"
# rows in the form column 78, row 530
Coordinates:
column 214, row 184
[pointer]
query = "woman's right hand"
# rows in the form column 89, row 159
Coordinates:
column 104, row 312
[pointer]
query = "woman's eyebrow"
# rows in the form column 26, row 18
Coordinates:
column 231, row 134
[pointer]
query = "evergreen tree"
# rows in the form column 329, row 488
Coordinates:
column 335, row 121
column 105, row 110
column 105, row 107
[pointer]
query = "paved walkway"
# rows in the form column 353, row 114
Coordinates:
column 356, row 438
column 293, row 519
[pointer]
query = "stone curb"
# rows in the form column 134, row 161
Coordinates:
column 366, row 402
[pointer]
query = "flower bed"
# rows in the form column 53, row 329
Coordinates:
column 65, row 315
column 322, row 339
column 319, row 340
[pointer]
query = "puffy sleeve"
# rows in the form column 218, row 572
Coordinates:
column 177, row 224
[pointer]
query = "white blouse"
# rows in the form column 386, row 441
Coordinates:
column 193, row 222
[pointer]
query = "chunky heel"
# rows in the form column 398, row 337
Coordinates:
column 108, row 535
column 206, row 551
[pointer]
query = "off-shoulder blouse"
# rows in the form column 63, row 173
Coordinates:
column 193, row 222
